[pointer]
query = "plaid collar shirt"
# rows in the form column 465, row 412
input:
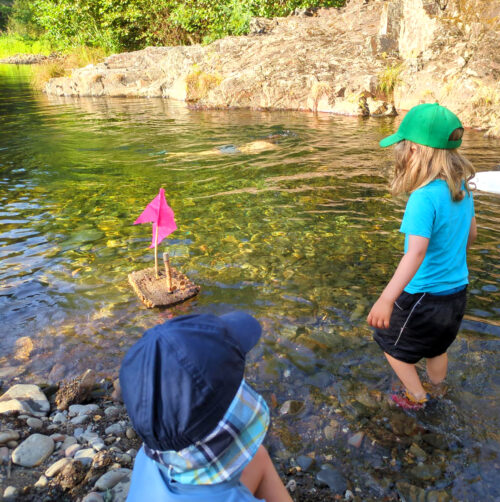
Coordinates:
column 225, row 452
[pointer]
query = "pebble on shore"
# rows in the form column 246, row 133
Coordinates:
column 65, row 449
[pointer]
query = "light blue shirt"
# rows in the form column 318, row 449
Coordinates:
column 431, row 213
column 150, row 483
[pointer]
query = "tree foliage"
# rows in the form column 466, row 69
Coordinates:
column 5, row 12
column 131, row 24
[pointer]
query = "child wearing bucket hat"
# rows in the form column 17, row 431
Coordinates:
column 419, row 312
column 202, row 424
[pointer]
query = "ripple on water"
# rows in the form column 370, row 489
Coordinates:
column 304, row 235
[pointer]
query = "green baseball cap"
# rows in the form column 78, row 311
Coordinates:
column 429, row 124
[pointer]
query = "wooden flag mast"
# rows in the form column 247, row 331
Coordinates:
column 156, row 252
column 150, row 286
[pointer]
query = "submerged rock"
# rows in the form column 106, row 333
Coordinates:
column 333, row 478
column 291, row 407
column 425, row 472
column 305, row 462
column 356, row 439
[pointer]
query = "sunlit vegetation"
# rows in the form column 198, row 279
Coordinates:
column 116, row 25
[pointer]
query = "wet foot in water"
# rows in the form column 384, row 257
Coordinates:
column 406, row 401
column 436, row 391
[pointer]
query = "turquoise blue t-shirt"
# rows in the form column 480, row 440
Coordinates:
column 150, row 483
column 431, row 212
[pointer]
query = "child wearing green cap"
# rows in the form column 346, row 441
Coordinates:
column 419, row 312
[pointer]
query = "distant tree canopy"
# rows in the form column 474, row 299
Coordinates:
column 5, row 12
column 132, row 24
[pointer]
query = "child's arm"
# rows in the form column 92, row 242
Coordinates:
column 472, row 232
column 380, row 314
column 261, row 478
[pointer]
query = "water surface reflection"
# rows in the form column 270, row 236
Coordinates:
column 304, row 236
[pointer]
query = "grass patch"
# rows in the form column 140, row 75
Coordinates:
column 62, row 67
column 486, row 96
column 11, row 45
column 389, row 78
column 42, row 73
column 199, row 83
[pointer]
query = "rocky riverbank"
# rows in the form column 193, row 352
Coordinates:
column 370, row 58
column 74, row 442
column 31, row 58
column 52, row 447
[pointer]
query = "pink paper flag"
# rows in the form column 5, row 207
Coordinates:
column 160, row 214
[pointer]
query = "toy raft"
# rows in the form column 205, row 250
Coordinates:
column 154, row 287
column 157, row 291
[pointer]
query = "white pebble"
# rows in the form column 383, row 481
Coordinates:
column 93, row 497
column 10, row 492
column 68, row 442
column 42, row 482
column 72, row 449
column 80, row 419
column 112, row 411
column 82, row 409
column 114, row 429
column 35, row 423
column 85, row 456
column 8, row 435
column 57, row 467
column 111, row 478
column 59, row 418
column 33, row 451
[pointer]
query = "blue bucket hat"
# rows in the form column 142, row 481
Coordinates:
column 180, row 378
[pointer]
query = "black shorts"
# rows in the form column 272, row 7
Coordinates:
column 422, row 325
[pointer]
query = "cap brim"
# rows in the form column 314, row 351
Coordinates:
column 243, row 327
column 390, row 140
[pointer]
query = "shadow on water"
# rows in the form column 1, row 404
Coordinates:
column 303, row 236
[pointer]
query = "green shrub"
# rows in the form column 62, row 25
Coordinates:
column 15, row 44
column 117, row 25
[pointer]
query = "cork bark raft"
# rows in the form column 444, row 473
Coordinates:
column 154, row 291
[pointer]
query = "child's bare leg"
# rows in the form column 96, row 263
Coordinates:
column 437, row 368
column 261, row 478
column 407, row 373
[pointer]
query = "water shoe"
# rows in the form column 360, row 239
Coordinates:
column 406, row 401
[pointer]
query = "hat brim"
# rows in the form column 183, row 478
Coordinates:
column 390, row 140
column 243, row 327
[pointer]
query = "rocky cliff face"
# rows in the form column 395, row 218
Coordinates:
column 369, row 58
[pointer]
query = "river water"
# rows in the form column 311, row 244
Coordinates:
column 303, row 235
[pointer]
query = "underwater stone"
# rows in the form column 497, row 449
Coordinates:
column 356, row 439
column 425, row 472
column 291, row 407
column 333, row 478
column 305, row 462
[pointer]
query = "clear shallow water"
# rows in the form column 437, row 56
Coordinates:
column 304, row 236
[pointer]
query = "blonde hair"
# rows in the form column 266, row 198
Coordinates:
column 417, row 165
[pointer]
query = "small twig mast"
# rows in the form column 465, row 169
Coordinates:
column 161, row 215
